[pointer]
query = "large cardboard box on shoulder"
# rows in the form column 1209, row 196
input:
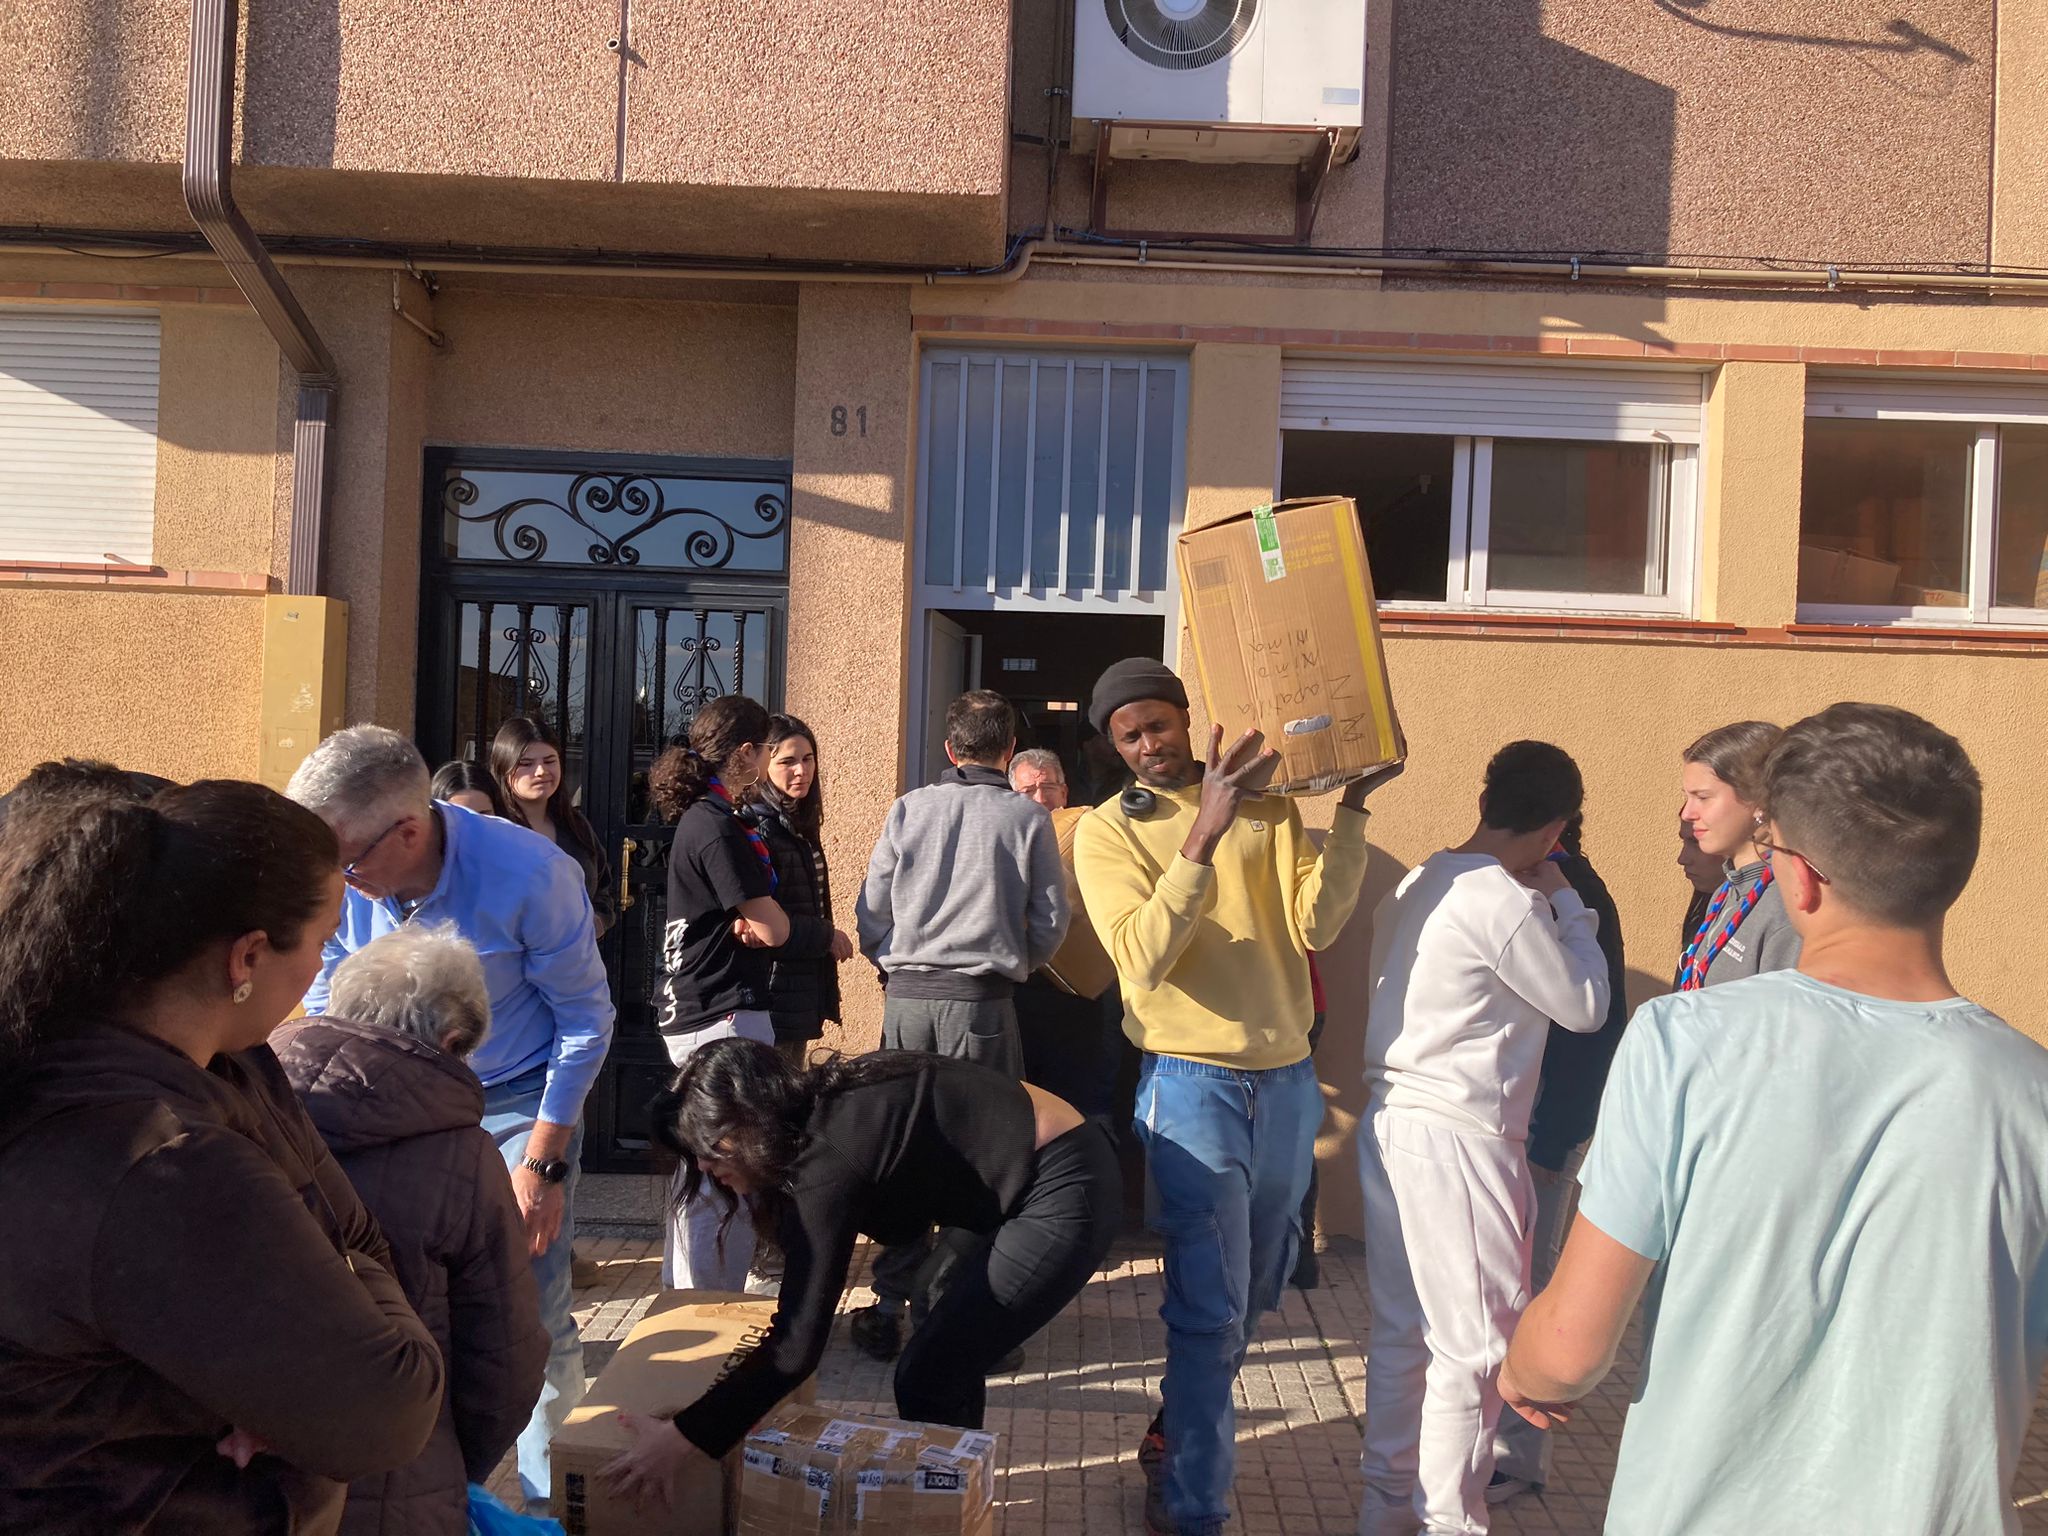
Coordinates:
column 811, row 1471
column 1279, row 604
column 687, row 1341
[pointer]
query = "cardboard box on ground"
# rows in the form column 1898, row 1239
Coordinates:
column 811, row 1471
column 1279, row 603
column 687, row 1341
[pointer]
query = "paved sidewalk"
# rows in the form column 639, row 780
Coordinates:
column 1071, row 1419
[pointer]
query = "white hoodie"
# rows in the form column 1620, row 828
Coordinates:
column 1470, row 967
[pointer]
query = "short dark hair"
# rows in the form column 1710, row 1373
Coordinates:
column 1530, row 784
column 980, row 726
column 1887, row 806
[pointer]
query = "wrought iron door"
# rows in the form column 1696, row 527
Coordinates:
column 542, row 594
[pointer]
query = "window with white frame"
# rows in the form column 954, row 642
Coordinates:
column 1505, row 486
column 78, row 402
column 1924, row 502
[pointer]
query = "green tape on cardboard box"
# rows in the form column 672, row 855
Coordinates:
column 1271, row 561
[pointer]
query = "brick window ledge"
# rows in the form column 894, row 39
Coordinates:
column 1468, row 624
column 142, row 578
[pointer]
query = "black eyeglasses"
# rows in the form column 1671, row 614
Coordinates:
column 348, row 870
column 1771, row 851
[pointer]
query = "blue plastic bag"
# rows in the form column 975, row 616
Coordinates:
column 489, row 1517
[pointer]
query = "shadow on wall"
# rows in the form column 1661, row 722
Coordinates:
column 292, row 80
column 1503, row 139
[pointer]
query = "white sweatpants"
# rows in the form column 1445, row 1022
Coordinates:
column 1447, row 1220
column 705, row 1252
column 1520, row 1449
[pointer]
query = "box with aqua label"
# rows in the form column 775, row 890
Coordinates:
column 814, row 1471
column 1279, row 605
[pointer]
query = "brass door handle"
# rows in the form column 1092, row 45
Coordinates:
column 626, row 852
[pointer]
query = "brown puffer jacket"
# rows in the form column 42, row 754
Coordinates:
column 182, row 1256
column 402, row 1119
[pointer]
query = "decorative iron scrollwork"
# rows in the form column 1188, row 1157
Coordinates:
column 614, row 510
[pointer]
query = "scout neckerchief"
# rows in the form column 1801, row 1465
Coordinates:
column 718, row 792
column 1702, row 951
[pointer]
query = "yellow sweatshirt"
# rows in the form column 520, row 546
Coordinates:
column 1213, row 959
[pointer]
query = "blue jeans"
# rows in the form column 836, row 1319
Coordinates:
column 510, row 1112
column 1227, row 1162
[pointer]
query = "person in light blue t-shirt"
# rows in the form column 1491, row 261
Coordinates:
column 1833, row 1183
column 522, row 904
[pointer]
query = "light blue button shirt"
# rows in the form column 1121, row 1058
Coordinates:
column 1848, row 1200
column 522, row 902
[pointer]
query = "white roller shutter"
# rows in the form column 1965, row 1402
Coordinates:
column 1874, row 397
column 1492, row 399
column 78, row 392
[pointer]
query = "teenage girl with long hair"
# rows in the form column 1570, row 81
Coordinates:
column 1744, row 929
column 722, row 920
column 788, row 809
column 526, row 760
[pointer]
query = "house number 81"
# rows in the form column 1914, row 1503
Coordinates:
column 860, row 421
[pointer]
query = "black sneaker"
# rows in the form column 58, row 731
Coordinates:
column 1505, row 1486
column 1152, row 1449
column 1307, row 1273
column 877, row 1331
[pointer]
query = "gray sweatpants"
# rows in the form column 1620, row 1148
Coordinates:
column 983, row 1031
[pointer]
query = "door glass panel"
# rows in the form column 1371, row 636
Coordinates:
column 523, row 658
column 566, row 517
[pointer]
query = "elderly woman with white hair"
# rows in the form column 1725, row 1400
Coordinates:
column 382, row 1075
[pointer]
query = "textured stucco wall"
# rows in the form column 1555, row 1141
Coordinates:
column 616, row 375
column 1749, row 496
column 825, row 129
column 165, row 682
column 1794, row 128
column 2019, row 215
column 846, row 94
column 217, row 440
column 93, row 79
column 520, row 88
column 847, row 588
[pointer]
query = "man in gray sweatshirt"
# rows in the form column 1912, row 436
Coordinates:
column 965, row 897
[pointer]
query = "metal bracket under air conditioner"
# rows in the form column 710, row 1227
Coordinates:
column 1311, row 151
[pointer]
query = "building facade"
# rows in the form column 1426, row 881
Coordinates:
column 1689, row 363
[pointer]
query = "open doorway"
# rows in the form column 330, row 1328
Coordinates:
column 1045, row 665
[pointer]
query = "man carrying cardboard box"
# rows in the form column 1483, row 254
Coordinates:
column 1209, row 894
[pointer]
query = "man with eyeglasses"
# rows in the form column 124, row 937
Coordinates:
column 1833, row 1177
column 524, row 905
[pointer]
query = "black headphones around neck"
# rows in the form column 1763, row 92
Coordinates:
column 1138, row 802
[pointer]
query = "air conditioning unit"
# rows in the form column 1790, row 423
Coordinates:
column 1215, row 79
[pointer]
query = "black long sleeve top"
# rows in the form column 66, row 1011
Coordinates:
column 939, row 1143
column 1574, row 1065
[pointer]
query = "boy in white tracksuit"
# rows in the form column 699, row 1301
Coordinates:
column 1474, row 954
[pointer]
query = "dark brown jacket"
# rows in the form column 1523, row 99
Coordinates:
column 182, row 1257
column 401, row 1118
